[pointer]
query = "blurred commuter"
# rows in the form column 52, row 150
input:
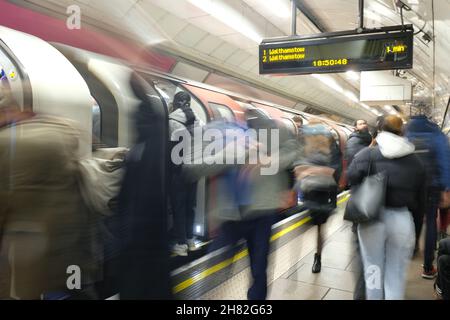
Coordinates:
column 143, row 270
column 358, row 140
column 46, row 231
column 387, row 243
column 433, row 150
column 317, row 178
column 247, row 198
column 442, row 284
column 182, row 193
column 265, row 197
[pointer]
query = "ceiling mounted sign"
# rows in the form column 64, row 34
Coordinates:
column 376, row 49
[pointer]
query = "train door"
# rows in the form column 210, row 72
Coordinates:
column 167, row 90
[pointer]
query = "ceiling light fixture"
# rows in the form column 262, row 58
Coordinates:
column 228, row 16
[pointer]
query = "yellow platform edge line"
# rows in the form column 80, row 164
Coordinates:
column 238, row 256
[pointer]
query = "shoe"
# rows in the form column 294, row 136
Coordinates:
column 437, row 292
column 193, row 244
column 429, row 274
column 180, row 249
column 317, row 265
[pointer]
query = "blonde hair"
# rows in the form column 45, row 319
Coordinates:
column 392, row 124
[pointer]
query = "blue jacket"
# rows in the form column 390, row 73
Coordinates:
column 432, row 148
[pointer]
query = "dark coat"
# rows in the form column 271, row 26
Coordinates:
column 142, row 219
column 355, row 143
column 433, row 150
column 405, row 177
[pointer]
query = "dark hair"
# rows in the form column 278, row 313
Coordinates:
column 297, row 119
column 181, row 100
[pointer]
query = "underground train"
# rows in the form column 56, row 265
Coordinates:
column 94, row 90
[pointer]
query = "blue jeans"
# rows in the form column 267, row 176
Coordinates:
column 386, row 248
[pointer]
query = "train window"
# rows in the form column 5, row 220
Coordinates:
column 105, row 111
column 13, row 80
column 221, row 112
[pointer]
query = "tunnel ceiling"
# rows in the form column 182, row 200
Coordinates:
column 202, row 36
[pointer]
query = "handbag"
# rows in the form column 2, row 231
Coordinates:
column 367, row 199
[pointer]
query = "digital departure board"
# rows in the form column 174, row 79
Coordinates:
column 360, row 52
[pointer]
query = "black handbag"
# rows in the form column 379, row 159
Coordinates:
column 367, row 199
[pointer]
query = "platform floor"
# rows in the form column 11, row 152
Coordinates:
column 340, row 269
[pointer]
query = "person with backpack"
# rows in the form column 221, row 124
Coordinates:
column 247, row 198
column 317, row 176
column 183, row 194
column 433, row 150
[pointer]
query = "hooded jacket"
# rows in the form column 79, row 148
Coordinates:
column 355, row 143
column 395, row 156
column 181, row 119
column 432, row 149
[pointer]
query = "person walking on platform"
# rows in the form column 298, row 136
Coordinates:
column 387, row 244
column 247, row 197
column 317, row 178
column 358, row 140
column 433, row 150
